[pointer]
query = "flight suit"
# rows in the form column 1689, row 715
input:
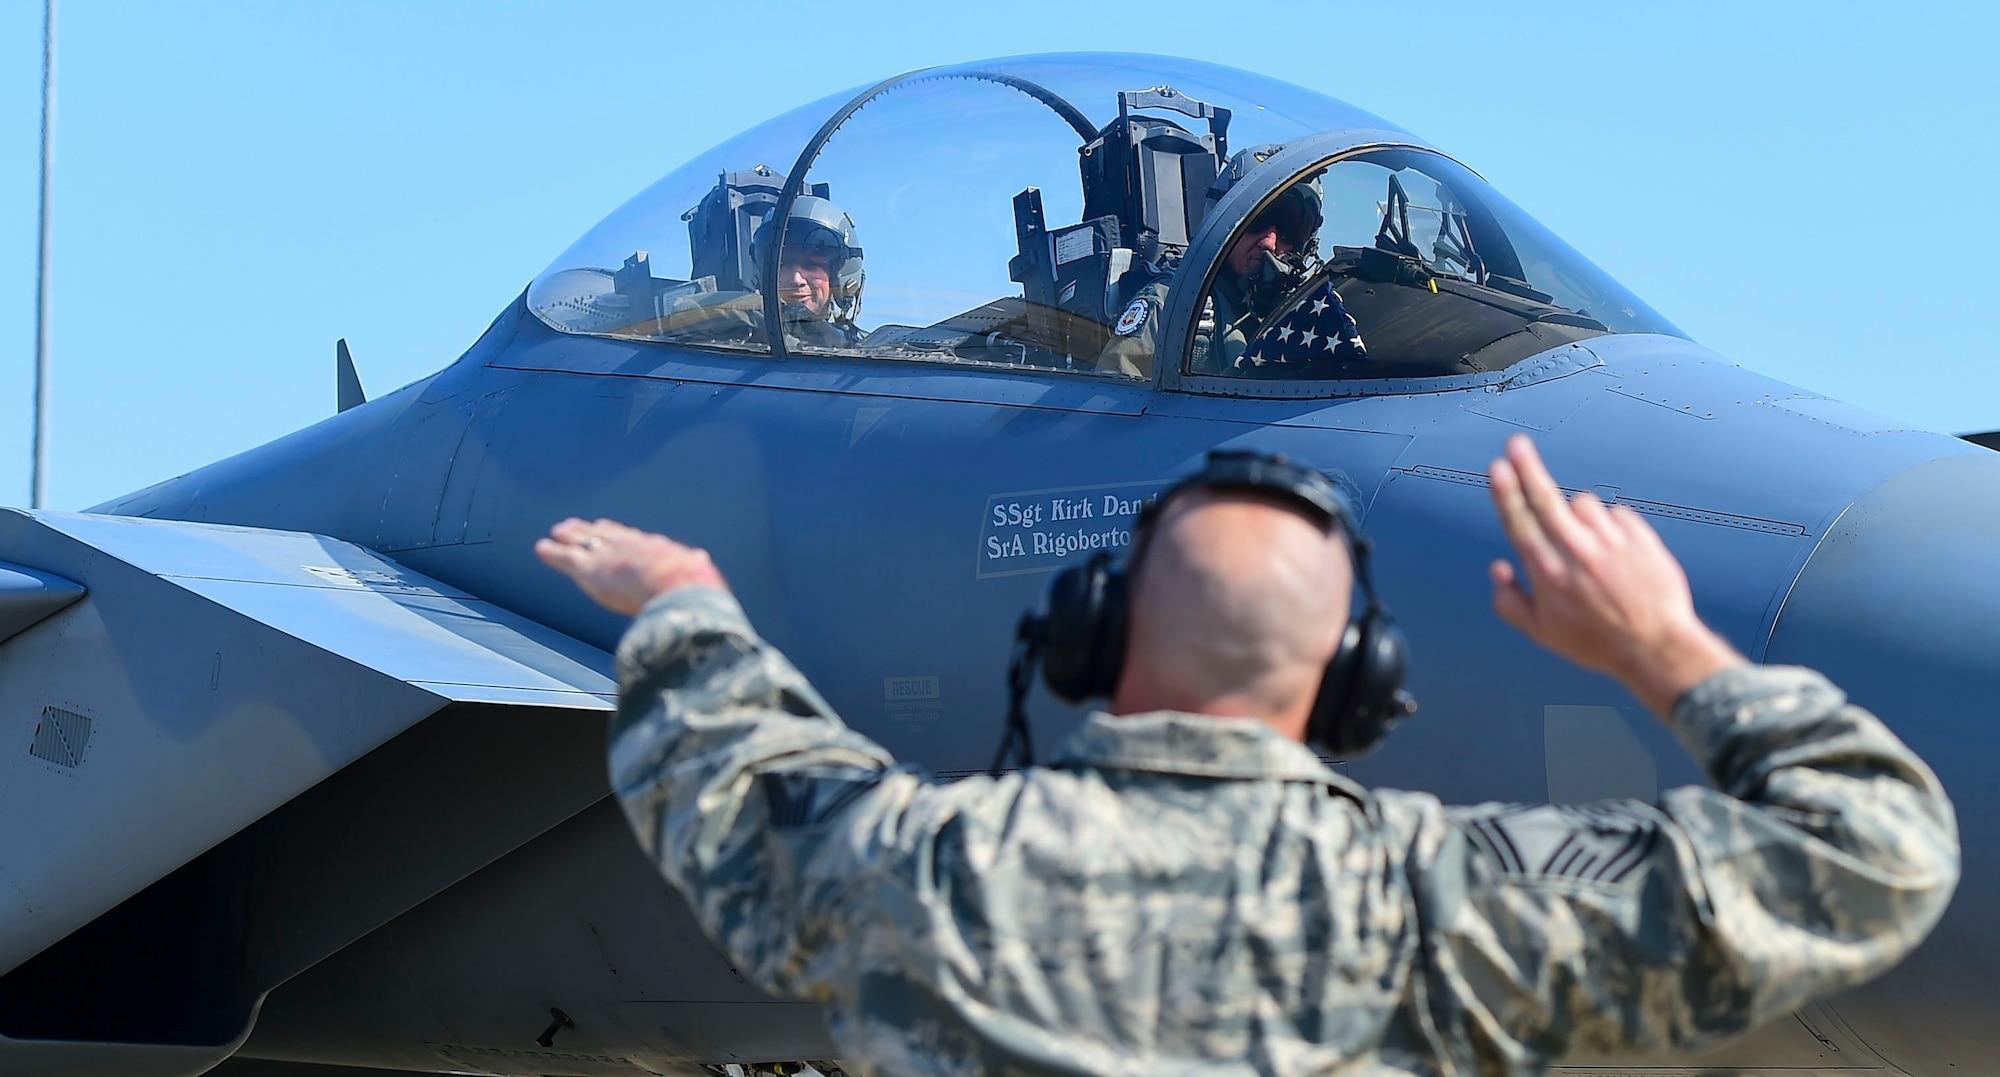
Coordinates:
column 1131, row 352
column 1181, row 893
column 1135, row 333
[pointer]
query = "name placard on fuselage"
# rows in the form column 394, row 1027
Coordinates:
column 1044, row 530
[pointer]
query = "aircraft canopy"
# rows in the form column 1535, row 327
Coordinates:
column 1091, row 214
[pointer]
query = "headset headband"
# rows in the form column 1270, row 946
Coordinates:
column 1078, row 637
column 1307, row 490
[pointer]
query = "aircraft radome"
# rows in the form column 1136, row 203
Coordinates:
column 301, row 752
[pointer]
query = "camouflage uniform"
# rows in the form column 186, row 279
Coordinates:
column 1181, row 892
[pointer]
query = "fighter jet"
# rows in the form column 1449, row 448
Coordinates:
column 301, row 752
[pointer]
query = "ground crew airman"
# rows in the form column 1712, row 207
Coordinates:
column 1190, row 888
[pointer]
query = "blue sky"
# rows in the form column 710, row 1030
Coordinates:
column 1803, row 187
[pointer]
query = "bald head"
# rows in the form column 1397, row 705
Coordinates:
column 1237, row 603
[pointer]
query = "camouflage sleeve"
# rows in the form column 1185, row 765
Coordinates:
column 733, row 773
column 1825, row 853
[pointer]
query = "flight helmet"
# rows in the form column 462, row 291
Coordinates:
column 820, row 227
column 1295, row 212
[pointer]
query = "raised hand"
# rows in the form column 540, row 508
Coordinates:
column 621, row 567
column 1601, row 589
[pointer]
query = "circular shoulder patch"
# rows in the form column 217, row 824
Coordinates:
column 1134, row 317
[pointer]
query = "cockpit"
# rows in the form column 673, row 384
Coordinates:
column 1106, row 216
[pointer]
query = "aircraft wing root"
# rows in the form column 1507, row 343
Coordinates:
column 261, row 743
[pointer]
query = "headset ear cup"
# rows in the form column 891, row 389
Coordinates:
column 1379, row 701
column 1361, row 694
column 1110, row 659
column 1083, row 644
column 1323, row 725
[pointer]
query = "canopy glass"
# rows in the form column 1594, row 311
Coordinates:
column 1036, row 212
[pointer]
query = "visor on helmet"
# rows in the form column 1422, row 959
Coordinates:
column 805, row 239
column 1295, row 215
column 816, row 225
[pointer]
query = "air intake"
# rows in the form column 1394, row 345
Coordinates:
column 61, row 737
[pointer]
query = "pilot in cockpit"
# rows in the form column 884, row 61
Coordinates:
column 820, row 270
column 820, row 274
column 1266, row 261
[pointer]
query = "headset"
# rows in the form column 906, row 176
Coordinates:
column 1079, row 633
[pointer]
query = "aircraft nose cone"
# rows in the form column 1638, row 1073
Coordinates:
column 1900, row 606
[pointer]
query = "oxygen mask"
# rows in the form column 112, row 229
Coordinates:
column 1274, row 278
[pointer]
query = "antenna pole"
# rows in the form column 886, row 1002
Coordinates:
column 38, row 484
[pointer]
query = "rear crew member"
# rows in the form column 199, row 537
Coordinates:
column 820, row 274
column 820, row 278
column 1191, row 888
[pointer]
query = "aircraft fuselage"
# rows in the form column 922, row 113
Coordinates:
column 886, row 522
